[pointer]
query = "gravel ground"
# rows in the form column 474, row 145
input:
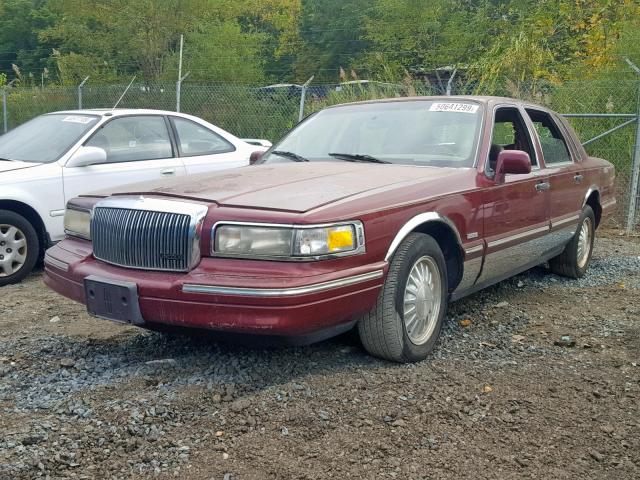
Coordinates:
column 537, row 376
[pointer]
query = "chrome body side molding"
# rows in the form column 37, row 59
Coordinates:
column 470, row 273
column 590, row 190
column 281, row 292
column 415, row 222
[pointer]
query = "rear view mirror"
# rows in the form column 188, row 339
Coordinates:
column 512, row 161
column 85, row 156
column 255, row 156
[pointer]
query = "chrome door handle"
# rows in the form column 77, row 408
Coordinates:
column 577, row 178
column 543, row 186
column 168, row 171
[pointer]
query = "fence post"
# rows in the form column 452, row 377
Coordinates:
column 179, row 90
column 303, row 95
column 80, row 87
column 633, row 194
column 5, row 120
column 178, row 96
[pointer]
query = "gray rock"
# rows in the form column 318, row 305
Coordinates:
column 163, row 361
column 565, row 341
column 597, row 456
column 67, row 362
column 240, row 405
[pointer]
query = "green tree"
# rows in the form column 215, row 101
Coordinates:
column 20, row 22
column 331, row 36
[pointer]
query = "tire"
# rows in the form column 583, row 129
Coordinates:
column 390, row 332
column 573, row 262
column 19, row 247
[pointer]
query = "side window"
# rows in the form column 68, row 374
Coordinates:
column 194, row 139
column 553, row 144
column 509, row 133
column 135, row 138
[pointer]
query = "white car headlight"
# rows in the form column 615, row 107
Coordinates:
column 284, row 242
column 77, row 223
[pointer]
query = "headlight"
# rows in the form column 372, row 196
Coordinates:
column 77, row 223
column 284, row 242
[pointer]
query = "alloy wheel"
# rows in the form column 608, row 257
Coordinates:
column 422, row 298
column 584, row 242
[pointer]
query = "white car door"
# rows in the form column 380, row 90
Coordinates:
column 138, row 148
column 204, row 150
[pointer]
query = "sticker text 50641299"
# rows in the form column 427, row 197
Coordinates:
column 454, row 107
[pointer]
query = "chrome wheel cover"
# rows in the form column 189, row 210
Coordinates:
column 584, row 242
column 13, row 249
column 422, row 298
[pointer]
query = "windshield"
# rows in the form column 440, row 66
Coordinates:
column 425, row 133
column 46, row 138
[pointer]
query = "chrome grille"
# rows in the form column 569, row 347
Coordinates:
column 145, row 239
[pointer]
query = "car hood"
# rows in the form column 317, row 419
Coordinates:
column 15, row 165
column 294, row 187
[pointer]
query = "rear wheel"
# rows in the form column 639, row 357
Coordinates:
column 19, row 247
column 406, row 321
column 576, row 256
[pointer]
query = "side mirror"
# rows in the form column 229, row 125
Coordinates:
column 512, row 161
column 85, row 156
column 255, row 156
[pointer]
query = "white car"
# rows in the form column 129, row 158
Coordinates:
column 58, row 156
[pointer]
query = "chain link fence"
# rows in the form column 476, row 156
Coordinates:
column 593, row 107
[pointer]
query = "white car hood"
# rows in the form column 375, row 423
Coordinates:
column 8, row 166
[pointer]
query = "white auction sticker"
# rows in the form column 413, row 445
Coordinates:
column 454, row 107
column 78, row 119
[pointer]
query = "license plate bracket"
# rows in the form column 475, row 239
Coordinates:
column 112, row 300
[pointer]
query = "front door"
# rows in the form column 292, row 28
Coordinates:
column 516, row 212
column 138, row 149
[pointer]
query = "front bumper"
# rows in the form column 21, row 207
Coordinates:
column 231, row 295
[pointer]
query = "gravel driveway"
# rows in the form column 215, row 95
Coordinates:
column 536, row 377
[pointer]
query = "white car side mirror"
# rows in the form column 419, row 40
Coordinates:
column 85, row 156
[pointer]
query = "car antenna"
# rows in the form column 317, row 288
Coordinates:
column 124, row 93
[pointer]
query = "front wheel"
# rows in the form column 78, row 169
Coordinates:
column 574, row 259
column 19, row 247
column 406, row 321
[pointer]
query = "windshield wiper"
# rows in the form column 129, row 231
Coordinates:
column 5, row 160
column 357, row 157
column 290, row 155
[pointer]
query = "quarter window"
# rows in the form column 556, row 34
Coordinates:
column 135, row 138
column 194, row 139
column 554, row 146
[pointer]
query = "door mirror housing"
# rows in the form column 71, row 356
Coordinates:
column 512, row 161
column 255, row 156
column 85, row 156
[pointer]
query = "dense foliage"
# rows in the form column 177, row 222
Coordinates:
column 492, row 44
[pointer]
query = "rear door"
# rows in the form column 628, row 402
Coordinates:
column 516, row 212
column 138, row 147
column 203, row 150
column 565, row 174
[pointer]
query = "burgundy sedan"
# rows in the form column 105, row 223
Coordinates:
column 372, row 214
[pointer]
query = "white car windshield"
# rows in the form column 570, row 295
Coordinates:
column 46, row 138
column 442, row 133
